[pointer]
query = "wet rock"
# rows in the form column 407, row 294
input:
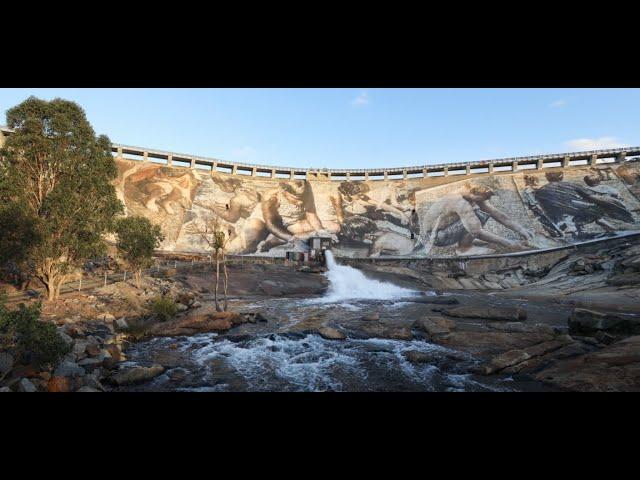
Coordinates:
column 270, row 287
column 69, row 369
column 371, row 317
column 415, row 356
column 512, row 314
column 331, row 333
column 137, row 375
column 177, row 374
column 605, row 338
column 616, row 367
column 58, row 384
column 443, row 300
column 197, row 323
column 6, row 363
column 589, row 322
column 25, row 385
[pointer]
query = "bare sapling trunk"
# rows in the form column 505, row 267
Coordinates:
column 218, row 309
column 225, row 279
column 137, row 275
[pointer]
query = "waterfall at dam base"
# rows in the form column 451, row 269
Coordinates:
column 348, row 283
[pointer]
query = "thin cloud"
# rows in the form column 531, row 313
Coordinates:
column 601, row 143
column 361, row 100
column 558, row 103
column 244, row 152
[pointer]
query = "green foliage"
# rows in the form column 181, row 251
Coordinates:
column 58, row 175
column 22, row 330
column 137, row 240
column 164, row 307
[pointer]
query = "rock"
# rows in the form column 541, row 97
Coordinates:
column 25, row 385
column 5, row 390
column 271, row 287
column 66, row 338
column 115, row 351
column 137, row 375
column 79, row 347
column 331, row 333
column 415, row 356
column 513, row 314
column 90, row 362
column 197, row 323
column 181, row 307
column 69, row 369
column 443, row 300
column 615, row 368
column 397, row 333
column 121, row 324
column 588, row 322
column 93, row 350
column 87, row 389
column 605, row 338
column 106, row 317
column 196, row 304
column 45, row 376
column 372, row 317
column 92, row 381
column 507, row 359
column 6, row 363
column 435, row 326
column 59, row 384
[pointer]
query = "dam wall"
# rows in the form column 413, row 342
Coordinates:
column 453, row 215
column 490, row 207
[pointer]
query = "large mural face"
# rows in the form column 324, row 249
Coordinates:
column 457, row 215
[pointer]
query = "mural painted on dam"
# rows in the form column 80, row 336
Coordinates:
column 426, row 217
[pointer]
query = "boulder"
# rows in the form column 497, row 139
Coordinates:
column 121, row 324
column 6, row 363
column 87, row 389
column 197, row 323
column 106, row 317
column 79, row 346
column 137, row 375
column 371, row 317
column 66, row 338
column 331, row 333
column 5, row 390
column 181, row 307
column 69, row 369
column 589, row 322
column 58, row 384
column 437, row 300
column 25, row 385
column 505, row 314
column 435, row 326
column 415, row 356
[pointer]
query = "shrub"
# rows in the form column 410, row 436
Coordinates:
column 34, row 340
column 164, row 307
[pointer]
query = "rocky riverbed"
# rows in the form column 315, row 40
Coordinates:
column 287, row 331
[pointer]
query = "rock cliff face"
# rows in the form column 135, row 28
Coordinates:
column 436, row 216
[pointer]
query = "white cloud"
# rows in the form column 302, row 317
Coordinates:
column 245, row 152
column 361, row 100
column 601, row 143
column 559, row 103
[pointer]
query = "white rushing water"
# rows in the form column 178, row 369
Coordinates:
column 347, row 283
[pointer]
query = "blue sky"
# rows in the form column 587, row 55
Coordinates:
column 357, row 128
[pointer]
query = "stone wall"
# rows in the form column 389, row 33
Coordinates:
column 423, row 217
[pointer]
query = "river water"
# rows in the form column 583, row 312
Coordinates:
column 283, row 354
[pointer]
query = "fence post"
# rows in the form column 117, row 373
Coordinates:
column 125, row 276
column 80, row 283
column 105, row 279
column 175, row 264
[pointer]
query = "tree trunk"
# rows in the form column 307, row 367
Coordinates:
column 225, row 279
column 138, row 278
column 218, row 309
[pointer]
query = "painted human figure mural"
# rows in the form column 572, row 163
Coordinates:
column 460, row 218
column 410, row 217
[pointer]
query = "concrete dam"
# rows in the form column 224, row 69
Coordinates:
column 468, row 209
